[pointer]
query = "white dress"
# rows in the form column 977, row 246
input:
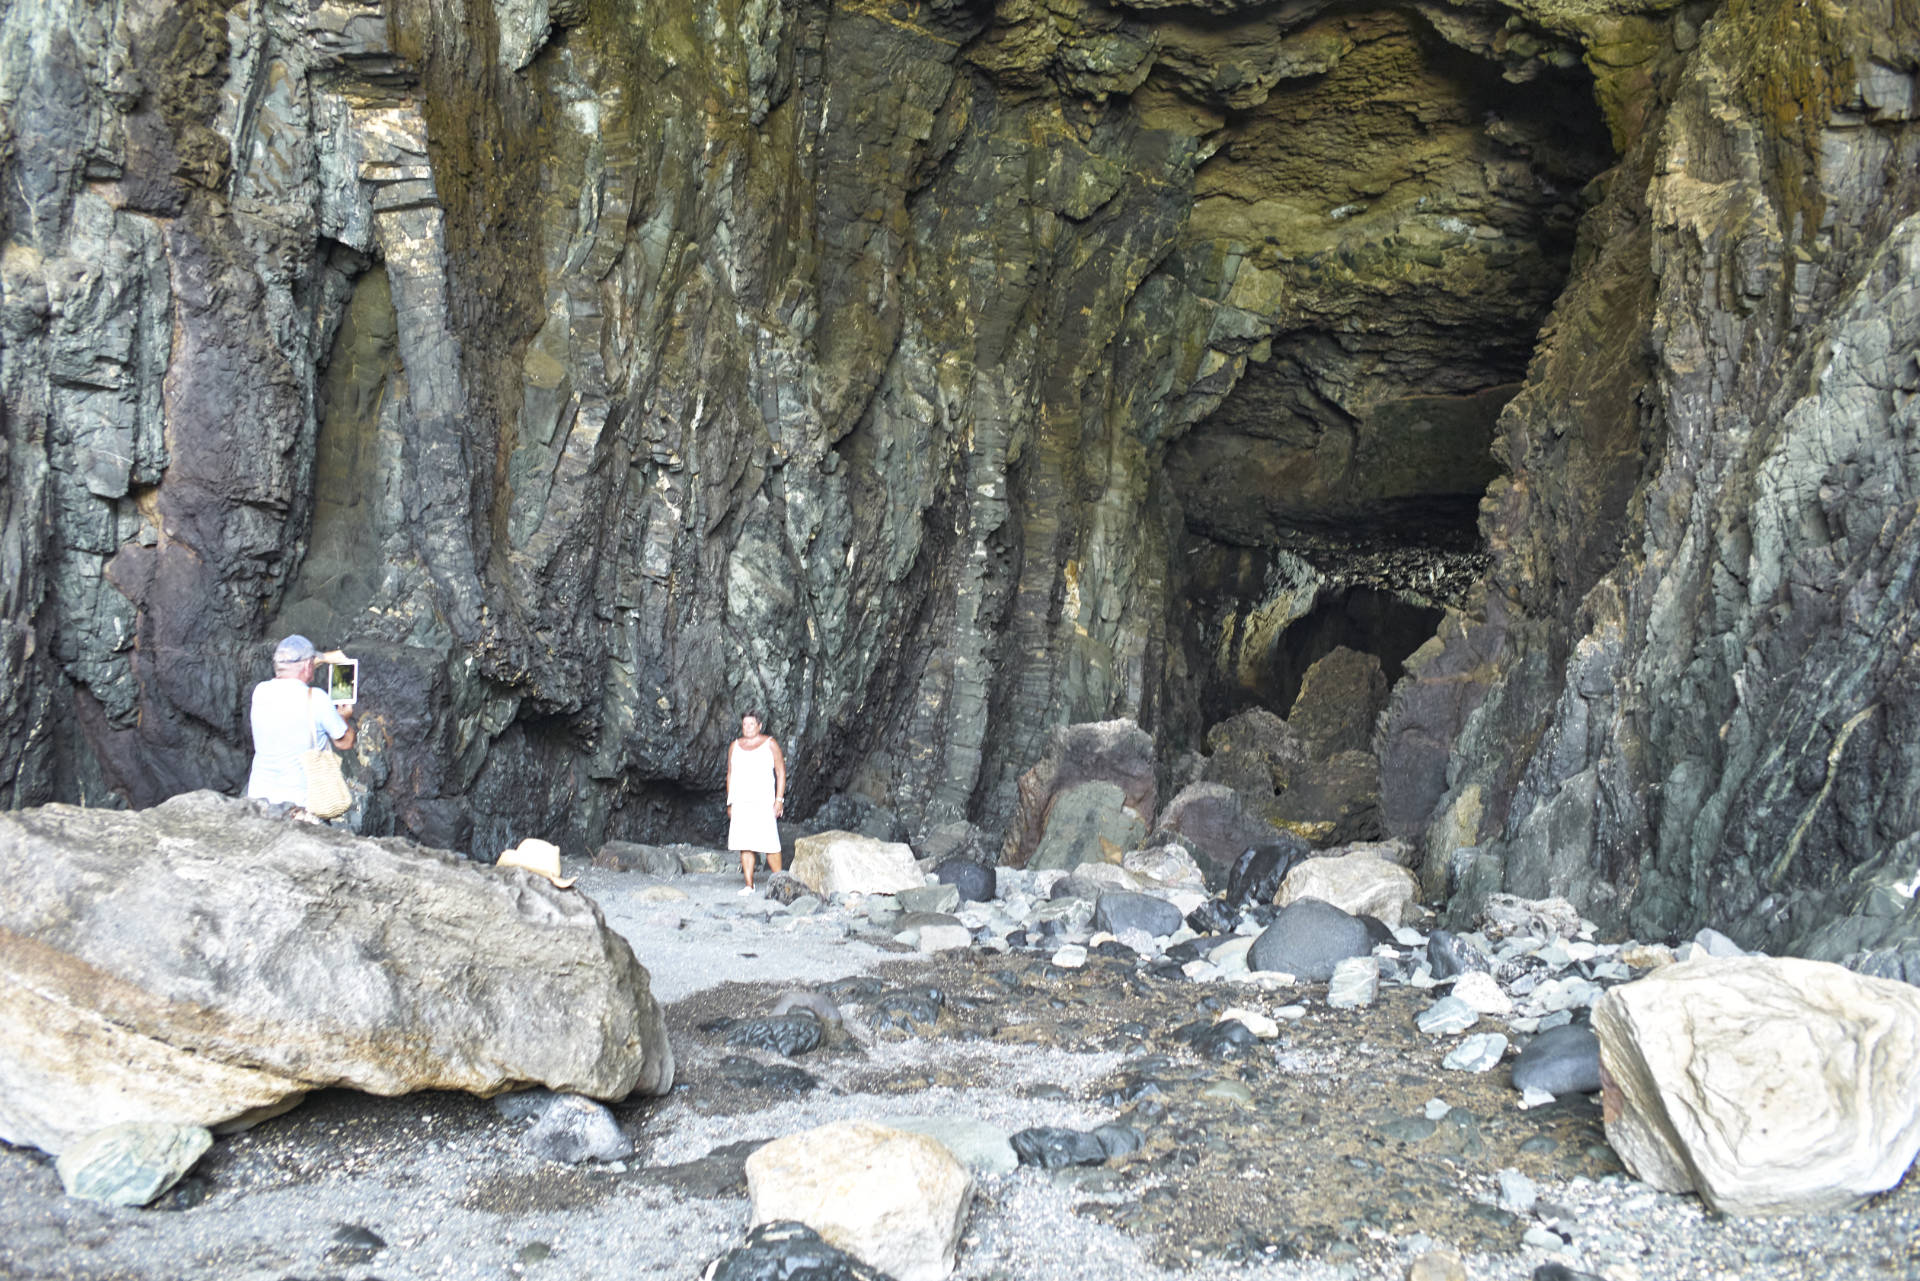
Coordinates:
column 750, row 793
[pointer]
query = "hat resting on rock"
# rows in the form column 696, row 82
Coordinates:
column 537, row 856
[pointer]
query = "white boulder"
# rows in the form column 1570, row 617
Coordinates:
column 849, row 863
column 1767, row 1085
column 897, row 1201
column 1358, row 884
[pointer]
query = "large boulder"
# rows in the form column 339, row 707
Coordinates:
column 1212, row 821
column 206, row 963
column 1088, row 823
column 894, row 1200
column 1308, row 940
column 1334, row 801
column 1116, row 752
column 1255, row 753
column 1767, row 1085
column 849, row 863
column 1358, row 883
column 1341, row 696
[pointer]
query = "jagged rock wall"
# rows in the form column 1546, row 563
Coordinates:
column 1688, row 694
column 591, row 377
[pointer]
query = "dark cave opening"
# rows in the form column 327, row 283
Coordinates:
column 1360, row 618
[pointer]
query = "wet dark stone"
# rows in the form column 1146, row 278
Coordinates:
column 1378, row 931
column 1165, row 969
column 1118, row 911
column 1216, row 1040
column 1212, row 917
column 784, row 1034
column 785, row 888
column 1181, row 953
column 911, row 1011
column 850, row 990
column 1308, row 938
column 1257, row 873
column 1561, row 1272
column 1052, row 1148
column 1018, row 938
column 1114, row 949
column 1118, row 1140
column 747, row 1074
column 789, row 1251
column 974, row 882
column 1562, row 1060
column 1451, row 956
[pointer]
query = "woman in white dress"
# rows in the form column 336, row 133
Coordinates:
column 756, row 796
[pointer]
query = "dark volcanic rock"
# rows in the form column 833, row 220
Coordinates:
column 783, row 1034
column 788, row 1251
column 781, row 1078
column 974, row 881
column 1561, row 1060
column 1211, row 917
column 1307, row 939
column 1449, row 956
column 1051, row 1148
column 1118, row 910
column 1260, row 869
column 785, row 888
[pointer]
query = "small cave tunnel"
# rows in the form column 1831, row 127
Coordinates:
column 1359, row 618
column 1412, row 206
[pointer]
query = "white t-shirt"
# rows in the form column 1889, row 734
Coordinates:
column 289, row 718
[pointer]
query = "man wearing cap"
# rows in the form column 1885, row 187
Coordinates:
column 290, row 718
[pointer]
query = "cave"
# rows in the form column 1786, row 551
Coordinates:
column 1408, row 211
column 1359, row 618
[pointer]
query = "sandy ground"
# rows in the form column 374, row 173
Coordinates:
column 1299, row 1184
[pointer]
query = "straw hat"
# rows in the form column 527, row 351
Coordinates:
column 536, row 855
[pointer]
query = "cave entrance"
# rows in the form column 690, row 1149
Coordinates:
column 1359, row 618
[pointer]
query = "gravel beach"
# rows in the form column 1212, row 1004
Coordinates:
column 1315, row 1165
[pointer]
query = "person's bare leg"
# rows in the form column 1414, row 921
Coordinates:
column 773, row 861
column 746, row 867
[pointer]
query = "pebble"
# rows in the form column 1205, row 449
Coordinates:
column 1255, row 1022
column 1231, row 957
column 1291, row 1013
column 1534, row 1097
column 1477, row 1053
column 1073, row 956
column 945, row 938
column 1437, row 1109
column 1448, row 1015
column 1198, row 971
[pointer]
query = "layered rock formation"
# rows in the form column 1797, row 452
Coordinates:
column 1686, row 694
column 591, row 379
column 932, row 377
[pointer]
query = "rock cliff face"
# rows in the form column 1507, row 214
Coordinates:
column 931, row 376
column 1687, row 692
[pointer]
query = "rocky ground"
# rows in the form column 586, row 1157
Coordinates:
column 1339, row 1148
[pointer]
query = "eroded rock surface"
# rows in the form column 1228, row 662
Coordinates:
column 202, row 963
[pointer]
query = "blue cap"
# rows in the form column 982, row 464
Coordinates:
column 294, row 649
